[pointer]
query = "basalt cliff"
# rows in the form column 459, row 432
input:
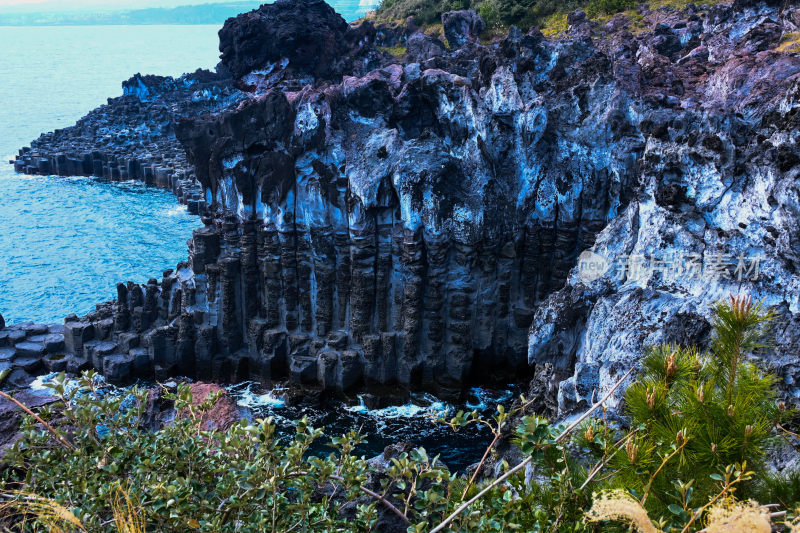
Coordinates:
column 417, row 220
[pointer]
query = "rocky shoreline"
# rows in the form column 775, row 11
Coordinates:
column 132, row 137
column 417, row 221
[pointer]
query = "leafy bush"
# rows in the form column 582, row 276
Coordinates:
column 698, row 426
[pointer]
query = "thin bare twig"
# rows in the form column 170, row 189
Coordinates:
column 601, row 464
column 378, row 497
column 527, row 461
column 497, row 434
column 39, row 419
column 480, row 465
column 661, row 466
column 366, row 491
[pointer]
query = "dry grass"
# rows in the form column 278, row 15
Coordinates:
column 637, row 25
column 127, row 517
column 434, row 30
column 52, row 515
column 396, row 51
column 681, row 4
column 56, row 518
column 619, row 506
column 738, row 517
column 728, row 516
column 491, row 34
column 790, row 43
column 554, row 24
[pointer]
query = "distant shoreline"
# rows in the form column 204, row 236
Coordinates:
column 184, row 15
column 102, row 24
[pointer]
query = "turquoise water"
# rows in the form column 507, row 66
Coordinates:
column 66, row 242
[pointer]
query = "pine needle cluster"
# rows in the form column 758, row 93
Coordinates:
column 698, row 413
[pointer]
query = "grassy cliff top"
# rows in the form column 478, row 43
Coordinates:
column 548, row 15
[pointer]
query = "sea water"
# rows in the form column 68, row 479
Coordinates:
column 66, row 242
column 419, row 421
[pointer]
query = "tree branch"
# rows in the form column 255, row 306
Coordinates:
column 64, row 442
column 378, row 497
column 527, row 461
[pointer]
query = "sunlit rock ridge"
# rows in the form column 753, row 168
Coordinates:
column 372, row 220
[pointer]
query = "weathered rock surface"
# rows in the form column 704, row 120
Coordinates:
column 715, row 210
column 28, row 349
column 461, row 27
column 308, row 35
column 11, row 418
column 224, row 412
column 372, row 223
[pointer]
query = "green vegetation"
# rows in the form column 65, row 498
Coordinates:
column 397, row 51
column 554, row 24
column 496, row 13
column 550, row 16
column 790, row 44
column 689, row 457
column 608, row 7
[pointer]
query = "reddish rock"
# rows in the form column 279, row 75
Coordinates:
column 222, row 416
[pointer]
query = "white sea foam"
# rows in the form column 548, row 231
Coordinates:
column 423, row 405
column 38, row 385
column 178, row 210
column 245, row 397
column 487, row 399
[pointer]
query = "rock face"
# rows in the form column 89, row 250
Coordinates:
column 461, row 27
column 371, row 223
column 715, row 210
column 309, row 35
column 11, row 419
column 399, row 226
column 223, row 414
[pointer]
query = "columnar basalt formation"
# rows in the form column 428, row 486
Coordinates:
column 370, row 221
column 411, row 217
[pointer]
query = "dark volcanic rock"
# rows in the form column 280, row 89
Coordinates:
column 308, row 34
column 421, row 47
column 461, row 27
column 11, row 417
column 369, row 223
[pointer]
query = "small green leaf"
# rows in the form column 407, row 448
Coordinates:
column 675, row 509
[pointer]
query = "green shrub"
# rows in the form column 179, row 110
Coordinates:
column 697, row 428
column 182, row 477
column 722, row 405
